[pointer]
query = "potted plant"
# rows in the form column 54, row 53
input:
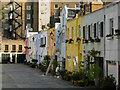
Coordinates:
column 78, row 39
column 97, row 39
column 70, row 40
column 117, row 34
column 109, row 36
column 90, row 39
column 66, row 40
column 85, row 40
column 42, row 45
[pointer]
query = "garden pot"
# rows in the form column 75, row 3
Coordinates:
column 109, row 38
column 117, row 36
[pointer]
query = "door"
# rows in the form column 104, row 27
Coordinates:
column 119, row 77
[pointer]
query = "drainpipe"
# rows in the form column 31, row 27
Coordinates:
column 104, row 46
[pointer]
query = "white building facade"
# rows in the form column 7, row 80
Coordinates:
column 93, row 37
column 43, row 13
column 112, row 40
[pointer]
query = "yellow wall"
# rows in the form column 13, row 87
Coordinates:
column 75, row 48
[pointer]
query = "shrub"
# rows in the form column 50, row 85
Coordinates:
column 108, row 82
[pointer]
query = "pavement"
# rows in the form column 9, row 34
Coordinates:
column 23, row 76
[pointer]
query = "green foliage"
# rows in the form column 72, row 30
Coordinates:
column 108, row 82
column 47, row 57
column 44, row 65
column 94, row 72
column 94, row 53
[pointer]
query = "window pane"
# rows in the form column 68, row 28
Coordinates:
column 84, row 32
column 89, row 31
column 95, row 30
column 101, row 33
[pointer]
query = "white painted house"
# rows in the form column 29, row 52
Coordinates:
column 43, row 44
column 66, row 14
column 112, row 47
column 93, row 36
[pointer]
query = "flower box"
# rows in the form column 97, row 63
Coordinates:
column 117, row 35
column 6, row 51
column 86, row 41
column 109, row 37
column 13, row 51
column 70, row 40
column 78, row 39
column 90, row 39
column 42, row 45
column 97, row 39
column 66, row 40
column 19, row 50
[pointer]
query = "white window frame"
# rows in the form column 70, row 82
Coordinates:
column 55, row 7
column 16, row 25
column 6, row 16
column 6, row 7
column 28, row 25
column 76, row 5
column 28, row 16
column 28, row 7
column 16, row 7
column 56, row 16
column 67, row 5
column 6, row 27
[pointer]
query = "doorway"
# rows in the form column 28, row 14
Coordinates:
column 13, row 58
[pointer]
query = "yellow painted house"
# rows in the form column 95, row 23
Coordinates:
column 73, row 44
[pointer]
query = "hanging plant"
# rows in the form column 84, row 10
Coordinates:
column 66, row 40
column 78, row 39
column 70, row 40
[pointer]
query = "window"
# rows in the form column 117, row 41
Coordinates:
column 6, row 47
column 76, row 5
column 16, row 7
column 6, row 15
column 70, row 31
column 28, row 16
column 89, row 31
column 28, row 25
column 16, row 16
column 44, row 40
column 5, row 6
column 6, row 25
column 69, row 57
column 95, row 30
column 84, row 32
column 56, row 6
column 98, row 28
column 14, row 47
column 41, row 41
column 67, row 5
column 28, row 7
column 20, row 47
column 56, row 15
column 101, row 32
column 16, row 25
column 78, row 31
column 111, row 27
column 73, row 32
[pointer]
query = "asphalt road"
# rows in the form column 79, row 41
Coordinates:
column 22, row 76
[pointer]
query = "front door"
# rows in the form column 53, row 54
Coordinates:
column 119, row 77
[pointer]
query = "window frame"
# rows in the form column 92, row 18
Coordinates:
column 55, row 6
